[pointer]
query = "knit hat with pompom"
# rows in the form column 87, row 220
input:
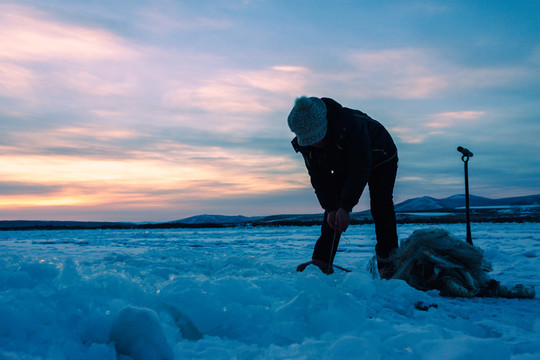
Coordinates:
column 308, row 120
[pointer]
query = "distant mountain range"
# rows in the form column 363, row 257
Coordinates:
column 419, row 210
column 426, row 203
column 420, row 205
column 217, row 219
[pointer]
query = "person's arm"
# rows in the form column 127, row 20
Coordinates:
column 358, row 148
column 323, row 184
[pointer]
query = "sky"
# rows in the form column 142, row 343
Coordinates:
column 159, row 110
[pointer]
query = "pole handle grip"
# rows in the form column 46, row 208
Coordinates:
column 464, row 151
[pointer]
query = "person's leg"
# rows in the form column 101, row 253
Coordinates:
column 381, row 188
column 323, row 247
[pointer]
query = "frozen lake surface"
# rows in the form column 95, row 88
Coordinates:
column 234, row 294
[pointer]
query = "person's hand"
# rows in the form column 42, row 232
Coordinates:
column 343, row 220
column 339, row 220
column 331, row 219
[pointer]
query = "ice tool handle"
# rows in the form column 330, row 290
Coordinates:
column 466, row 155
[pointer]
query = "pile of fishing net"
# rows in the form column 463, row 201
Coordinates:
column 435, row 259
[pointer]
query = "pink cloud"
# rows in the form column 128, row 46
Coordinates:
column 240, row 92
column 448, row 119
column 15, row 80
column 399, row 73
column 28, row 35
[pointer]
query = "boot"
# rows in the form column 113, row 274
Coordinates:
column 386, row 267
column 323, row 266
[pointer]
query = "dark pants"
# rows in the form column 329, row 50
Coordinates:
column 381, row 188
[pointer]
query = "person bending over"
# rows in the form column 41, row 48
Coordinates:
column 344, row 150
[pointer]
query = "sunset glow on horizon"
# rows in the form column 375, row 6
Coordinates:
column 156, row 110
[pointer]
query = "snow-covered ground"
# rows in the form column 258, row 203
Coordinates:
column 234, row 294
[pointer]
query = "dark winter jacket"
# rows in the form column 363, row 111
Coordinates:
column 354, row 145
